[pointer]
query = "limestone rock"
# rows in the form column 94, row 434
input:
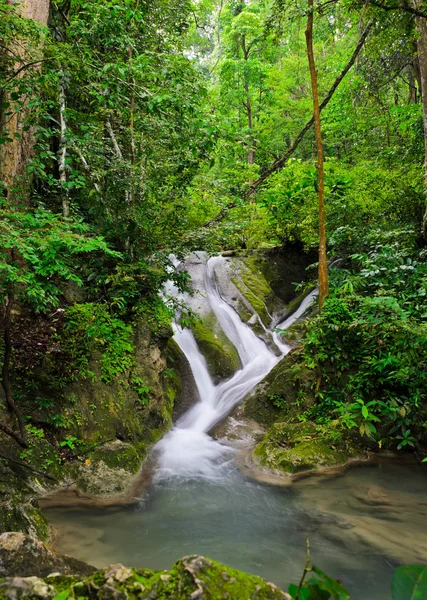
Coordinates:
column 24, row 556
column 191, row 578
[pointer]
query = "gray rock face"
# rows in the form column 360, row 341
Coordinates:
column 23, row 556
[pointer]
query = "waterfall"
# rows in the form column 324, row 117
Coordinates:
column 187, row 450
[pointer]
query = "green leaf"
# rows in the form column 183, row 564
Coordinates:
column 365, row 411
column 410, row 583
column 326, row 584
column 62, row 595
column 304, row 593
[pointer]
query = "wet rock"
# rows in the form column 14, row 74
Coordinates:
column 373, row 496
column 221, row 356
column 23, row 556
column 297, row 447
column 191, row 578
column 19, row 511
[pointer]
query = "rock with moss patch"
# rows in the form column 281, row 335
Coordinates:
column 284, row 393
column 297, row 447
column 191, row 578
column 22, row 555
column 19, row 511
column 118, row 455
column 221, row 356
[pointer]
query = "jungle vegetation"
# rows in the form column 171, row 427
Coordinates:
column 132, row 129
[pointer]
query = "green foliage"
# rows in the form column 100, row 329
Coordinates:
column 90, row 328
column 369, row 346
column 410, row 583
column 70, row 443
column 38, row 250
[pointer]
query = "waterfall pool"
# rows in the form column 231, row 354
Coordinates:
column 360, row 526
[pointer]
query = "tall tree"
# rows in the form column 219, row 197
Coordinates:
column 323, row 265
column 23, row 56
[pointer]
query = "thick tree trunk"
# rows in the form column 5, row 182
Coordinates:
column 15, row 154
column 323, row 265
column 421, row 25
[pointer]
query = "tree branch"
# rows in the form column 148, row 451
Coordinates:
column 281, row 162
column 405, row 7
column 86, row 167
column 278, row 164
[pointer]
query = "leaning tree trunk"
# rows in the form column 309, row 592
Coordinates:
column 323, row 265
column 14, row 155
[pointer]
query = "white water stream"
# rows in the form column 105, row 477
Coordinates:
column 187, row 450
column 361, row 525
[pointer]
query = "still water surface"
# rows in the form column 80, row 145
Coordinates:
column 360, row 526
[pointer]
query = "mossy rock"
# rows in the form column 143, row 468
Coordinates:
column 19, row 510
column 296, row 447
column 24, row 556
column 285, row 392
column 282, row 267
column 221, row 356
column 118, row 454
column 251, row 283
column 191, row 577
column 27, row 517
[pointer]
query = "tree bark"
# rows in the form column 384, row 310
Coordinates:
column 248, row 103
column 62, row 152
column 421, row 25
column 323, row 264
column 20, row 437
column 14, row 155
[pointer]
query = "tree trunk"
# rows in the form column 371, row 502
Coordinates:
column 323, row 265
column 20, row 437
column 248, row 103
column 62, row 152
column 14, row 155
column 421, row 25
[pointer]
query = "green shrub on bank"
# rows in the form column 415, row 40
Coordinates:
column 368, row 347
column 88, row 328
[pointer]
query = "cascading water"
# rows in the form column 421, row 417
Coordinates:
column 200, row 503
column 188, row 450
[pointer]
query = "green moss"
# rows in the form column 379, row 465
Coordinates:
column 284, row 393
column 118, row 455
column 221, row 356
column 252, row 284
column 18, row 515
column 191, row 577
column 296, row 447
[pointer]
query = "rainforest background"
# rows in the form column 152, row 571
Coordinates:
column 134, row 129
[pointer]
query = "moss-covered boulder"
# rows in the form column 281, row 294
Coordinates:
column 284, row 393
column 118, row 454
column 110, row 470
column 296, row 447
column 221, row 356
column 19, row 511
column 191, row 578
column 24, row 556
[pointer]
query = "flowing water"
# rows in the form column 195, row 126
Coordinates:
column 360, row 526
